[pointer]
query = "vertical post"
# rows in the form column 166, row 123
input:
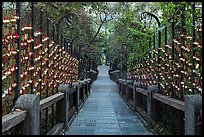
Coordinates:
column 126, row 90
column 154, row 39
column 63, row 105
column 181, row 53
column 193, row 104
column 89, row 66
column 192, row 47
column 159, row 65
column 77, row 97
column 47, row 65
column 79, row 59
column 41, row 21
column 150, row 111
column 71, row 49
column 53, row 32
column 48, row 42
column 128, row 82
column 2, row 17
column 61, row 43
column 149, row 47
column 120, row 86
column 65, row 44
column 134, row 97
column 165, row 58
column 58, row 52
column 18, row 61
column 84, row 90
column 154, row 55
column 58, row 25
column 53, row 37
column 61, row 56
column 33, row 42
column 172, row 62
column 87, row 88
column 31, row 124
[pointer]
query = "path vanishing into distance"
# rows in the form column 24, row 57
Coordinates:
column 105, row 112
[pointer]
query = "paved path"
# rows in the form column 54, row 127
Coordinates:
column 105, row 112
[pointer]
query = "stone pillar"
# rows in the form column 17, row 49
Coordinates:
column 150, row 111
column 120, row 86
column 193, row 104
column 31, row 103
column 88, row 87
column 128, row 82
column 135, row 99
column 64, row 104
column 123, row 89
column 83, row 86
column 77, row 85
column 77, row 98
column 126, row 89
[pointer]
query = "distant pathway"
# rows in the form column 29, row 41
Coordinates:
column 105, row 112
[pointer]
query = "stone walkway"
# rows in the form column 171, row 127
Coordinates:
column 105, row 112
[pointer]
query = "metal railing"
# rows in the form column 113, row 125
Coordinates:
column 35, row 59
column 174, row 62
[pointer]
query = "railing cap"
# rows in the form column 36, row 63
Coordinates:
column 194, row 100
column 129, row 81
column 82, row 82
column 137, row 84
column 76, row 84
column 152, row 88
column 63, row 87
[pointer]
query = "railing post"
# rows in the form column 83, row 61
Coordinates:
column 84, row 86
column 88, row 86
column 120, row 86
column 31, row 124
column 123, row 88
column 134, row 97
column 63, row 106
column 136, row 85
column 77, row 84
column 150, row 90
column 128, row 82
column 126, row 89
column 193, row 104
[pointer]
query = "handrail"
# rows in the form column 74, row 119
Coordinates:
column 17, row 116
column 44, row 103
column 12, row 119
column 175, row 103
